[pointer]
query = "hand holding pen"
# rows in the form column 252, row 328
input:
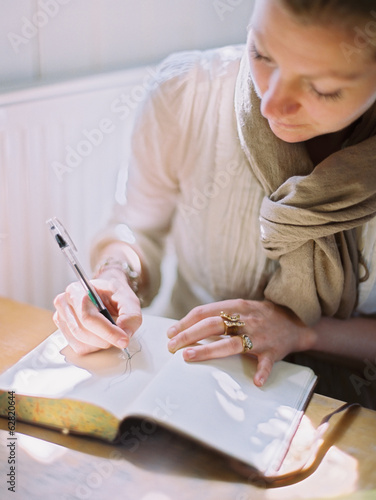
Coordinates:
column 84, row 330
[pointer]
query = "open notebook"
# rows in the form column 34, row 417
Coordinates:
column 214, row 402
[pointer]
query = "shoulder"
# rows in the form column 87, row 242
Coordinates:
column 206, row 64
column 184, row 74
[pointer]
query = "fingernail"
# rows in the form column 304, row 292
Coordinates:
column 171, row 332
column 172, row 344
column 189, row 354
column 122, row 343
column 261, row 381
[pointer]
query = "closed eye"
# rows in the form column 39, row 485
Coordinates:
column 257, row 56
column 331, row 96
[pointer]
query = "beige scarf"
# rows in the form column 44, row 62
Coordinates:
column 309, row 216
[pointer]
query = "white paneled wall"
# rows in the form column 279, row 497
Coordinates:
column 61, row 149
column 55, row 39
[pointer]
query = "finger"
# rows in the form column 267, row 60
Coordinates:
column 78, row 347
column 194, row 316
column 130, row 322
column 202, row 312
column 73, row 327
column 218, row 349
column 87, row 325
column 264, row 368
column 128, row 306
column 199, row 331
column 95, row 326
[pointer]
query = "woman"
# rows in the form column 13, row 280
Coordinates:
column 270, row 202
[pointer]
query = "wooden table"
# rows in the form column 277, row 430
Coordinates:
column 51, row 465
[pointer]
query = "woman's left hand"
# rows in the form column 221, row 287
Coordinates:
column 273, row 330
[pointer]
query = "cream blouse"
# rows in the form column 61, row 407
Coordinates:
column 188, row 177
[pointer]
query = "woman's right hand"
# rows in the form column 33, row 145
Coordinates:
column 85, row 329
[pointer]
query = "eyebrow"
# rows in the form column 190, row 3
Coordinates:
column 330, row 74
column 335, row 74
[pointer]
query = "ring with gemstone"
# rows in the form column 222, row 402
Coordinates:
column 232, row 323
column 247, row 343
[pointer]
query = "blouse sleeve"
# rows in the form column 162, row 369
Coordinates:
column 157, row 149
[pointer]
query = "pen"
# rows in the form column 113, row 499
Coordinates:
column 68, row 248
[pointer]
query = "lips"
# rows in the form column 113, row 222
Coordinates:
column 288, row 126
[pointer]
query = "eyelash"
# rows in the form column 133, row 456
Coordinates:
column 334, row 96
column 257, row 56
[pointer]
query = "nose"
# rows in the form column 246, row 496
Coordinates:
column 280, row 99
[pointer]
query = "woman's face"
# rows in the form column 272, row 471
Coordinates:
column 307, row 84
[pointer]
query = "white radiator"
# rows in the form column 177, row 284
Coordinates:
column 61, row 148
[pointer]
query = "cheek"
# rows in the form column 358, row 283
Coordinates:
column 326, row 118
column 320, row 111
column 260, row 76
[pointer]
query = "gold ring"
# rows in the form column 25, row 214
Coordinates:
column 232, row 323
column 247, row 343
